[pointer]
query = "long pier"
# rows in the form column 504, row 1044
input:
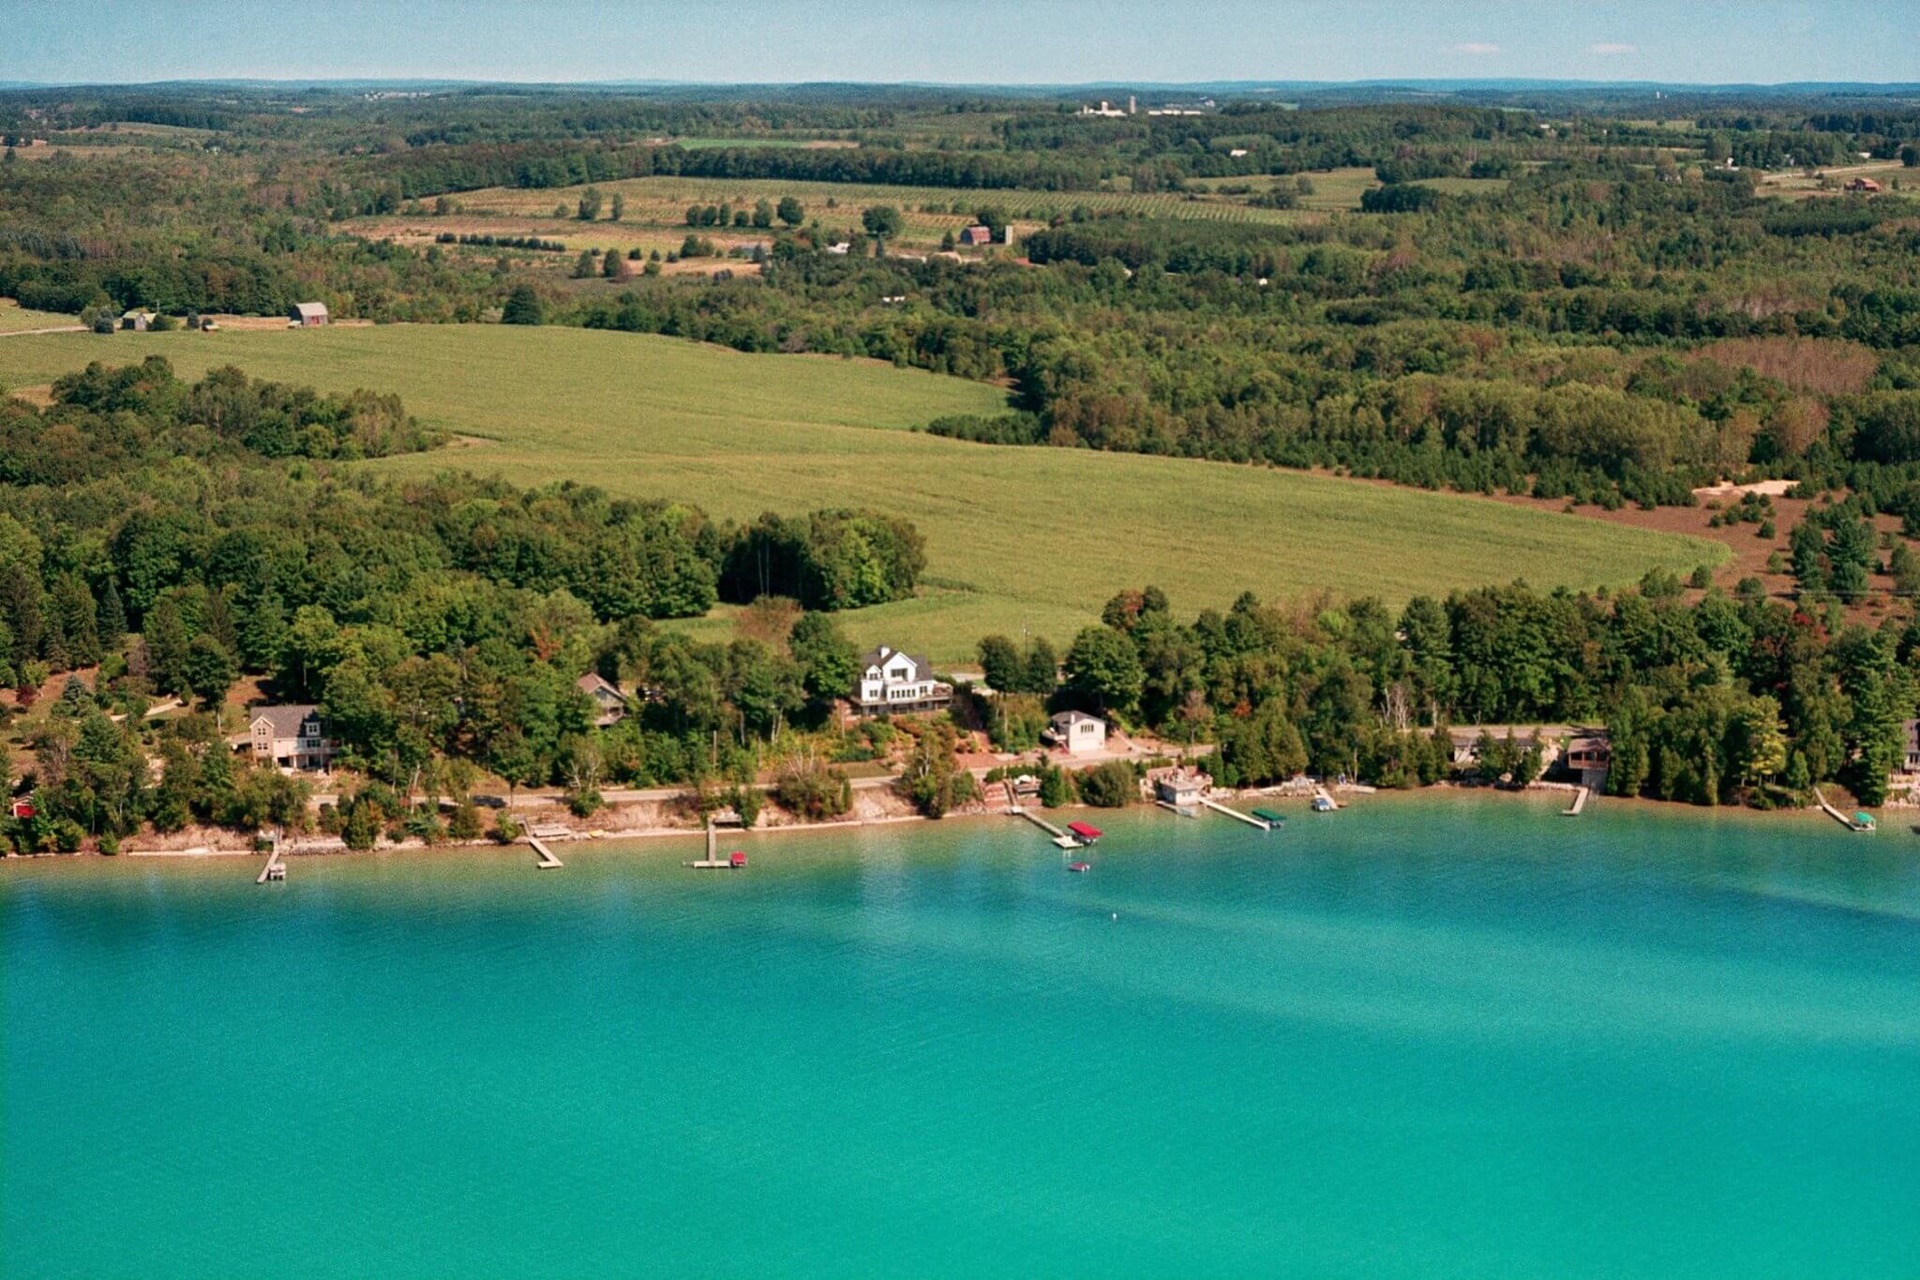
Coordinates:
column 1247, row 818
column 1838, row 816
column 276, row 868
column 1060, row 837
column 547, row 860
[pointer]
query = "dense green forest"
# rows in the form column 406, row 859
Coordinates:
column 1732, row 697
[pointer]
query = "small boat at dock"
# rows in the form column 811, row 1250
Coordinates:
column 1324, row 804
column 1087, row 832
column 1271, row 817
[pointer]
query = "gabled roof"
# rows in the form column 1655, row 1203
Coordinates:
column 1071, row 718
column 593, row 684
column 285, row 720
column 883, row 655
column 310, row 308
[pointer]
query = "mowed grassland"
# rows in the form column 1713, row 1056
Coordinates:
column 15, row 318
column 1019, row 539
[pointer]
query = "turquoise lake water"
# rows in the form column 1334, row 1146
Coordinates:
column 1448, row 1036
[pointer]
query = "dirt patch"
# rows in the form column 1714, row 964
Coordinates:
column 40, row 395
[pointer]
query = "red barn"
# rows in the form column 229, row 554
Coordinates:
column 976, row 235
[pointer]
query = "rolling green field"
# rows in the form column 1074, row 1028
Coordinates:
column 1029, row 540
column 15, row 318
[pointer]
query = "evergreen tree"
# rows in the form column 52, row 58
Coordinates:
column 20, row 612
column 1809, row 558
column 78, row 615
column 523, row 307
column 167, row 642
column 111, row 617
column 263, row 634
column 1851, row 555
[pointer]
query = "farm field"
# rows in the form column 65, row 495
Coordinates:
column 664, row 200
column 1031, row 540
column 15, row 318
column 1796, row 184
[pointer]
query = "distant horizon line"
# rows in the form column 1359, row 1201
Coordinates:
column 1411, row 82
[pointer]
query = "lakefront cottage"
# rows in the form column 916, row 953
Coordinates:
column 1076, row 732
column 610, row 705
column 290, row 737
column 892, row 681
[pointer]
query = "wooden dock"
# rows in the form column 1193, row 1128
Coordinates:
column 1579, row 803
column 547, row 860
column 1060, row 837
column 1851, row 824
column 276, row 868
column 713, row 861
column 1247, row 818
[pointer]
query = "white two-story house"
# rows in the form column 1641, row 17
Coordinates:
column 290, row 737
column 892, row 681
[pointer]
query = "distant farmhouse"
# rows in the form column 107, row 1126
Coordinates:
column 891, row 681
column 1867, row 185
column 307, row 315
column 139, row 320
column 289, row 737
column 976, row 235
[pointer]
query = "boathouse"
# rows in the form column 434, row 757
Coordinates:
column 1179, row 785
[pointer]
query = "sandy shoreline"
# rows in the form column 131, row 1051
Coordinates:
column 332, row 847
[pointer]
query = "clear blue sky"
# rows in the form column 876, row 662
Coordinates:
column 962, row 41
